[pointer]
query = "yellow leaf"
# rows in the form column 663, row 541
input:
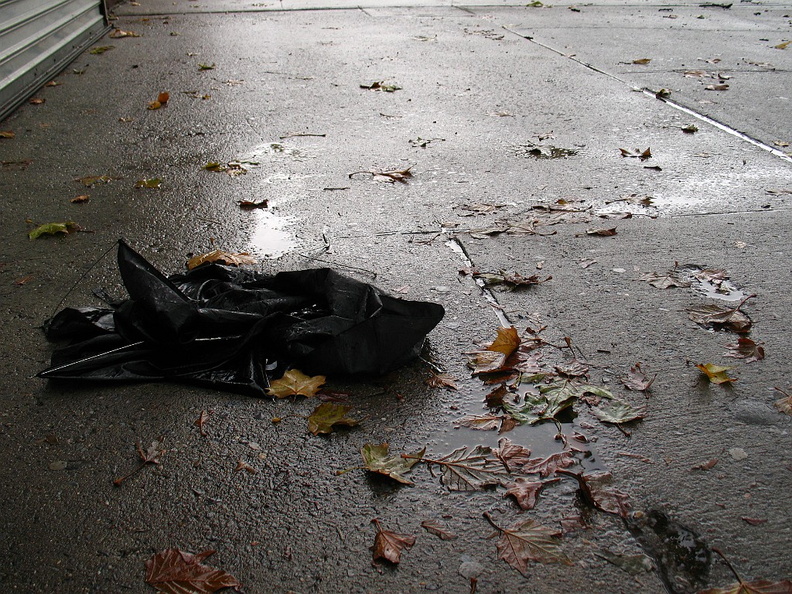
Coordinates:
column 507, row 341
column 163, row 97
column 642, row 61
column 154, row 105
column 295, row 383
column 220, row 257
column 716, row 373
column 782, row 45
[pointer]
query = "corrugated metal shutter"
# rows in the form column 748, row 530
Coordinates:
column 38, row 38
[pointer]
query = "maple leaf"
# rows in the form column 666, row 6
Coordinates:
column 618, row 412
column 716, row 374
column 512, row 455
column 637, row 379
column 546, row 466
column 436, row 528
column 220, row 257
column 469, row 471
column 526, row 491
column 376, row 459
column 441, row 380
column 54, row 229
column 295, row 383
column 177, row 572
column 747, row 349
column 389, row 545
column 755, row 587
column 528, row 541
column 506, row 342
column 664, row 281
column 721, row 317
column 150, row 455
column 328, row 415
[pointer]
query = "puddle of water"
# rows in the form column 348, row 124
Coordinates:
column 269, row 236
column 266, row 152
column 711, row 284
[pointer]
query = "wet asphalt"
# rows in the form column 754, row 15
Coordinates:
column 511, row 119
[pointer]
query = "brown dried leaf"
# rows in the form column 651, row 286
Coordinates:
column 528, row 541
column 495, row 398
column 709, row 464
column 389, row 545
column 436, row 528
column 221, row 257
column 747, row 349
column 526, row 491
column 721, row 317
column 507, row 341
column 784, row 404
column 602, row 232
column 718, row 87
column 176, row 572
column 251, row 205
column 546, row 466
column 637, row 153
column 482, row 422
column 200, row 422
column 668, row 280
column 637, row 380
column 118, row 34
column 7, row 134
column 242, row 465
column 512, row 455
column 377, row 459
column 755, row 587
column 441, row 380
column 465, row 470
column 82, row 199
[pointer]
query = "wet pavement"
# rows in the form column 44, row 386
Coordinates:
column 511, row 119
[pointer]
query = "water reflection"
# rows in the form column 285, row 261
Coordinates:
column 270, row 236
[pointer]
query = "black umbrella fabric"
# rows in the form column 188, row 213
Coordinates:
column 234, row 329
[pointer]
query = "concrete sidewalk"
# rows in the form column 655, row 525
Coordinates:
column 511, row 120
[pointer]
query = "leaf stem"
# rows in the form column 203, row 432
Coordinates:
column 489, row 519
column 729, row 565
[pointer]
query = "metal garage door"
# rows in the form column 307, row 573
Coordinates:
column 38, row 38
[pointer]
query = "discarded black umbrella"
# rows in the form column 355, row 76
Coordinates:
column 233, row 329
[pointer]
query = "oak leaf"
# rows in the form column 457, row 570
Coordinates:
column 177, row 572
column 221, row 257
column 295, row 383
column 328, row 415
column 389, row 545
column 528, row 541
column 377, row 459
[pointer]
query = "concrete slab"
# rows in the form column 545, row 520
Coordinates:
column 485, row 104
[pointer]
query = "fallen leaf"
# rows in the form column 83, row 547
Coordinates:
column 97, row 51
column 586, row 263
column 7, row 134
column 526, row 491
column 637, row 153
column 465, row 470
column 506, row 342
column 242, row 465
column 755, row 522
column 206, row 66
column 668, row 280
column 618, row 412
column 153, row 183
column 376, row 459
column 20, row 282
column 642, row 61
column 390, row 545
column 783, row 45
column 544, row 467
column 784, row 404
column 485, row 361
column 484, row 422
column 37, row 101
column 54, row 229
column 716, row 374
column 721, row 317
column 755, row 587
column 718, row 87
column 512, row 456
column 637, row 380
column 601, row 232
column 528, row 541
column 80, row 199
column 251, row 205
column 381, row 86
column 150, row 455
column 176, row 572
column 439, row 530
column 118, row 34
column 328, row 415
column 747, row 349
column 392, row 176
column 221, row 257
column 295, row 383
column 92, row 180
column 513, row 280
column 200, row 422
column 708, row 465
column 441, row 380
column 663, row 93
column 494, row 399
